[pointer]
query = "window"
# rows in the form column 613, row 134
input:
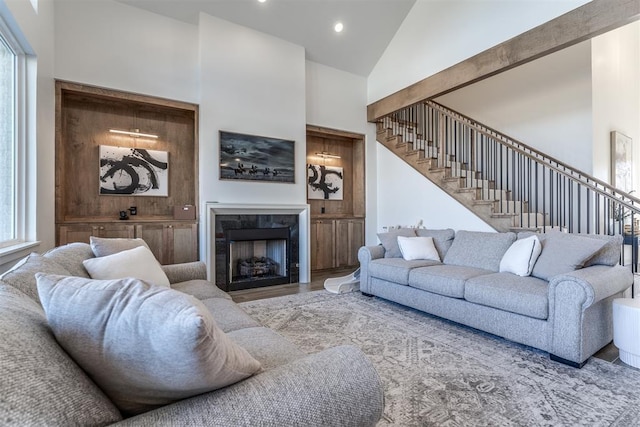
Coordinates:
column 8, row 145
column 17, row 72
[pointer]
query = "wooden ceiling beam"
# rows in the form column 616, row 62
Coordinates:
column 592, row 19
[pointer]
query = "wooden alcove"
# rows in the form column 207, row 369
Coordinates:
column 84, row 116
column 338, row 226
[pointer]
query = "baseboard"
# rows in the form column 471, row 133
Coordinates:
column 567, row 362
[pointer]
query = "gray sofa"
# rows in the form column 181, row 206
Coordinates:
column 42, row 385
column 564, row 307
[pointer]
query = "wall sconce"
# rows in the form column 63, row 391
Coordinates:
column 134, row 133
column 327, row 155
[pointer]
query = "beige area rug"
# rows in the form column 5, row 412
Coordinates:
column 438, row 373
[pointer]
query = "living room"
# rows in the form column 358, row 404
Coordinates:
column 250, row 82
column 151, row 54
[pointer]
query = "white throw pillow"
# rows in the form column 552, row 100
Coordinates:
column 521, row 256
column 418, row 248
column 137, row 262
column 144, row 345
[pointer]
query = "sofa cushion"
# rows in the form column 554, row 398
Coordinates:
column 103, row 246
column 396, row 269
column 200, row 289
column 442, row 239
column 447, row 280
column 23, row 275
column 413, row 248
column 138, row 262
column 521, row 256
column 479, row 249
column 563, row 253
column 390, row 241
column 174, row 351
column 505, row 291
column 70, row 256
column 266, row 346
column 40, row 384
column 227, row 315
column 610, row 252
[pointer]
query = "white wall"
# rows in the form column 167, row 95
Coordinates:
column 250, row 83
column 337, row 100
column 437, row 34
column 406, row 197
column 110, row 44
column 616, row 96
column 545, row 104
column 36, row 31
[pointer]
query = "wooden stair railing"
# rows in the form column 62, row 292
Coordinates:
column 507, row 183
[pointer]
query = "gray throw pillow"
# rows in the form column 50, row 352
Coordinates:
column 103, row 246
column 390, row 241
column 479, row 249
column 442, row 239
column 145, row 346
column 610, row 252
column 70, row 256
column 22, row 276
column 563, row 253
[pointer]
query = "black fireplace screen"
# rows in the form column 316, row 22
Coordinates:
column 257, row 257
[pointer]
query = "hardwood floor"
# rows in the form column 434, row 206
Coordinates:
column 609, row 353
column 316, row 284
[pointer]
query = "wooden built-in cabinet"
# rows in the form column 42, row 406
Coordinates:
column 335, row 243
column 84, row 116
column 337, row 226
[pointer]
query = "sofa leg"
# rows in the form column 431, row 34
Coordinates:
column 367, row 295
column 567, row 362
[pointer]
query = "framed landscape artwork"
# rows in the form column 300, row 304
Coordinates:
column 133, row 171
column 256, row 158
column 325, row 182
column 621, row 162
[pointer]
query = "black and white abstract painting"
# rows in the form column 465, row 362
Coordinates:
column 133, row 171
column 256, row 158
column 325, row 182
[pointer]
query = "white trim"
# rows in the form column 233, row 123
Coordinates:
column 212, row 209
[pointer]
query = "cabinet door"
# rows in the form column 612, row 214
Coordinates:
column 182, row 243
column 349, row 238
column 121, row 231
column 322, row 244
column 76, row 233
column 171, row 243
column 82, row 232
column 154, row 235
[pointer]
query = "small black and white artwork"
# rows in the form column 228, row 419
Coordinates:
column 256, row 158
column 325, row 182
column 133, row 171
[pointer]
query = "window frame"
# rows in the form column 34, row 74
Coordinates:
column 23, row 139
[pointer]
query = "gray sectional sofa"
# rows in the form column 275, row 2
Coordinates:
column 42, row 385
column 564, row 307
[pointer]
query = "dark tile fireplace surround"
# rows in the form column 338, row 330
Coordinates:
column 277, row 238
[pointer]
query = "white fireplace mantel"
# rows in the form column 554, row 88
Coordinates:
column 212, row 209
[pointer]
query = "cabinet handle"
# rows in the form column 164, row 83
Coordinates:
column 101, row 228
column 170, row 226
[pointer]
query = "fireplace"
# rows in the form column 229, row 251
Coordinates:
column 221, row 217
column 257, row 257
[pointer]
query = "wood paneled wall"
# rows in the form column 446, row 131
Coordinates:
column 84, row 115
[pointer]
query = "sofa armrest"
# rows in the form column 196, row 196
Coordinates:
column 366, row 254
column 580, row 310
column 596, row 282
column 336, row 387
column 186, row 271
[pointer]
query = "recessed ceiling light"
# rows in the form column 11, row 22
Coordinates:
column 262, row 1
column 338, row 27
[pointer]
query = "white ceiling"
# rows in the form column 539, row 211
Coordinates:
column 369, row 25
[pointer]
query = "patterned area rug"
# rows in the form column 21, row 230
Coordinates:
column 438, row 373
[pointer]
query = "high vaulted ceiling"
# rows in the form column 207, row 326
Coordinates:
column 369, row 25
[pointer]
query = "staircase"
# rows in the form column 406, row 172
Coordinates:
column 506, row 183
